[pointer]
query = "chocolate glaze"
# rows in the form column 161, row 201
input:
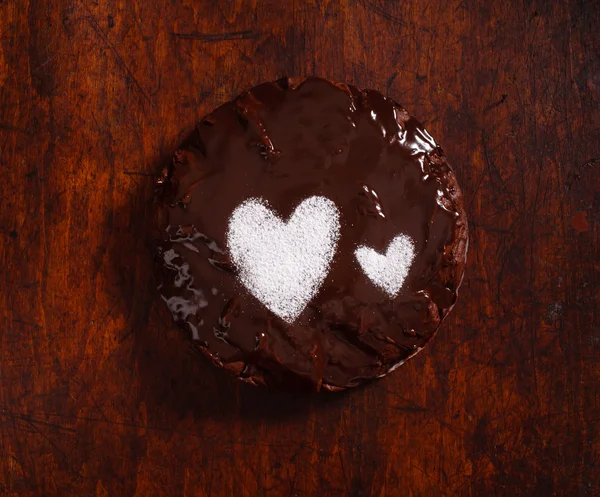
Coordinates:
column 283, row 142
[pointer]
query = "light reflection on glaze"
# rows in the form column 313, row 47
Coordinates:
column 182, row 306
column 374, row 200
column 187, row 239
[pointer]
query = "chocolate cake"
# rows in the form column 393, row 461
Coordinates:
column 309, row 235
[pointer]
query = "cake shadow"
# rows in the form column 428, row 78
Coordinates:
column 178, row 382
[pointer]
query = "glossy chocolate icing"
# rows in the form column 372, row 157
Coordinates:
column 284, row 142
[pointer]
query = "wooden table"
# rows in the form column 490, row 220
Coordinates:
column 101, row 395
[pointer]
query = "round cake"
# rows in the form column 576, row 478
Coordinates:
column 309, row 235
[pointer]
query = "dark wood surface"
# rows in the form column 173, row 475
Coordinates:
column 101, row 395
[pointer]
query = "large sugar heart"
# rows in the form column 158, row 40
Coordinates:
column 388, row 271
column 283, row 264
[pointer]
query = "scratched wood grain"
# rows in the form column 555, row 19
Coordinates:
column 100, row 394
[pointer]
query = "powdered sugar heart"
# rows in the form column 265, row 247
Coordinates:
column 283, row 264
column 388, row 271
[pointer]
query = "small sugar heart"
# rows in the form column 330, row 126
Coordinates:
column 388, row 271
column 283, row 264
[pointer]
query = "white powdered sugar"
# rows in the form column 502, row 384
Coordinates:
column 388, row 271
column 283, row 264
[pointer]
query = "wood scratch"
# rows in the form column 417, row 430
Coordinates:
column 31, row 420
column 137, row 173
column 246, row 34
column 93, row 22
column 380, row 11
column 27, row 323
column 8, row 127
